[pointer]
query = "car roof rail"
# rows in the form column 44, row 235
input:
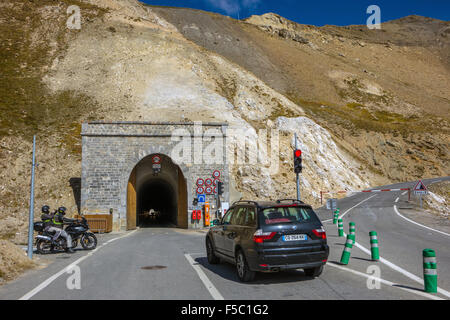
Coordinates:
column 246, row 201
column 293, row 200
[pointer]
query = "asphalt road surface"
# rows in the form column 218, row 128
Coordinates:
column 170, row 263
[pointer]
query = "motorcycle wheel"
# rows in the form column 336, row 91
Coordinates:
column 88, row 241
column 44, row 246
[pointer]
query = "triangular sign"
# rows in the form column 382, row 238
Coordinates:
column 420, row 186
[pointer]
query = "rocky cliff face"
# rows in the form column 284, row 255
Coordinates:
column 357, row 104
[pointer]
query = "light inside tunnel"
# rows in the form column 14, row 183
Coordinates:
column 156, row 203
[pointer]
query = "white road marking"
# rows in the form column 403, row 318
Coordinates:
column 396, row 200
column 386, row 282
column 398, row 213
column 390, row 264
column 341, row 216
column 399, row 269
column 208, row 284
column 44, row 284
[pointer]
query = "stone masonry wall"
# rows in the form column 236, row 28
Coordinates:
column 110, row 151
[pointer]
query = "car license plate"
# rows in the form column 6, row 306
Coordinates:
column 295, row 237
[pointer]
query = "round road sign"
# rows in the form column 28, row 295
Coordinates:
column 216, row 174
column 208, row 190
column 200, row 182
column 208, row 182
column 156, row 159
column 200, row 190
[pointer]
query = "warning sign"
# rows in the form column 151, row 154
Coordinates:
column 420, row 188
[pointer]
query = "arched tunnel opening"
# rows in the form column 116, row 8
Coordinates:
column 156, row 203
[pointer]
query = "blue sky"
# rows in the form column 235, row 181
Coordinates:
column 319, row 12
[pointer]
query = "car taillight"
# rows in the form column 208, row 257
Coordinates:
column 259, row 236
column 320, row 233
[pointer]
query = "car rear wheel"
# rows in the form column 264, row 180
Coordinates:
column 314, row 272
column 212, row 258
column 243, row 271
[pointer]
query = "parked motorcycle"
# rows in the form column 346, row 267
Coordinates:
column 79, row 231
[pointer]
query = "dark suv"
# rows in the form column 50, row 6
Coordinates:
column 267, row 237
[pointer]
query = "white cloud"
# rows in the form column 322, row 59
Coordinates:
column 232, row 6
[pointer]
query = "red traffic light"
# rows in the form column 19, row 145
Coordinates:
column 298, row 153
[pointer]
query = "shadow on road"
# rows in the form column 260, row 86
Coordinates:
column 408, row 287
column 228, row 271
column 370, row 260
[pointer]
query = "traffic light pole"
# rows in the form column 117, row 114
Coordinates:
column 297, row 175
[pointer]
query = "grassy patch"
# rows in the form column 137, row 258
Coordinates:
column 26, row 105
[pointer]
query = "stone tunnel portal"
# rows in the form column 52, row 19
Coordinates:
column 156, row 198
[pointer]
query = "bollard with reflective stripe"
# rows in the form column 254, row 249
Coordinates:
column 336, row 217
column 340, row 228
column 347, row 249
column 374, row 246
column 429, row 270
column 352, row 230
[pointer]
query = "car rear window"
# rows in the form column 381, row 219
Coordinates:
column 287, row 214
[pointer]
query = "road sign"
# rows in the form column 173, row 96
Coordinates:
column 216, row 174
column 200, row 182
column 200, row 190
column 208, row 182
column 156, row 159
column 201, row 198
column 420, row 188
column 208, row 190
column 332, row 204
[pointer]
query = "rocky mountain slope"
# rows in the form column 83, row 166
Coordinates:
column 369, row 107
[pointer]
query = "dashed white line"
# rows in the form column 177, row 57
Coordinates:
column 208, row 284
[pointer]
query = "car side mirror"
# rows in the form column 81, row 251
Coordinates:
column 216, row 222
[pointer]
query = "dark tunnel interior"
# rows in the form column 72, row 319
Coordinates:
column 156, row 204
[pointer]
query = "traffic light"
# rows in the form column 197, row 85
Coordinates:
column 219, row 187
column 298, row 161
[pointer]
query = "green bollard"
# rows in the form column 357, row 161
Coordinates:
column 336, row 217
column 429, row 270
column 340, row 228
column 347, row 249
column 374, row 246
column 352, row 230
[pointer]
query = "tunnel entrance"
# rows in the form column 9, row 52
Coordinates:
column 156, row 198
column 156, row 204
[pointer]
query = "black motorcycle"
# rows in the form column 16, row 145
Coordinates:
column 79, row 231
